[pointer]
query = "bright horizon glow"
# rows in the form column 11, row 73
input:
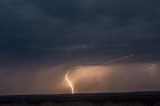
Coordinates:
column 110, row 62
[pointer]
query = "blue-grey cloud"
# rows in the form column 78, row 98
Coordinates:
column 38, row 33
column 61, row 29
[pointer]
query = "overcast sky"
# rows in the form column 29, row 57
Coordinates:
column 40, row 40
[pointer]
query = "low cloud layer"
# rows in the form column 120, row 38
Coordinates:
column 92, row 78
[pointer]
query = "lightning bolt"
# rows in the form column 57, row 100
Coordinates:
column 119, row 59
column 69, row 83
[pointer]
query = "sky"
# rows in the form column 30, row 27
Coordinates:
column 42, row 40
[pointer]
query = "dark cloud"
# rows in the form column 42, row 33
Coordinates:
column 39, row 33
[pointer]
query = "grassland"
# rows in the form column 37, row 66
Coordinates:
column 96, row 99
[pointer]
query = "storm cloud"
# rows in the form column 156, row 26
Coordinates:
column 37, row 34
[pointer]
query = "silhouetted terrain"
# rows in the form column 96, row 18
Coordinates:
column 87, row 99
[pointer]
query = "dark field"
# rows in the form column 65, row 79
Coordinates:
column 90, row 99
